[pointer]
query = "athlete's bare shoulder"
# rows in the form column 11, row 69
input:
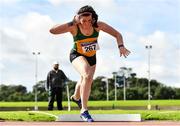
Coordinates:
column 101, row 25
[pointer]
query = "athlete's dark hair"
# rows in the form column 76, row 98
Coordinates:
column 89, row 9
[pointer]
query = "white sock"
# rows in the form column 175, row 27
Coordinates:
column 83, row 110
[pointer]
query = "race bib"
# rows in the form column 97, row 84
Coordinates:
column 89, row 46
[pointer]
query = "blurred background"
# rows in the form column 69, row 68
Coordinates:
column 151, row 31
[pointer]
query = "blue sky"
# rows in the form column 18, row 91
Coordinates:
column 25, row 24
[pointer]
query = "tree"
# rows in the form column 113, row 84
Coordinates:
column 142, row 82
column 98, row 90
column 177, row 91
column 132, row 93
column 12, row 92
column 137, row 89
column 164, row 92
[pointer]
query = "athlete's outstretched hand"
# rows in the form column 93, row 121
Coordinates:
column 124, row 52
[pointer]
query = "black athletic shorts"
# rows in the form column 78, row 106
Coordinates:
column 91, row 60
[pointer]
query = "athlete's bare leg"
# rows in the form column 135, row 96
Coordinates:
column 76, row 94
column 87, row 72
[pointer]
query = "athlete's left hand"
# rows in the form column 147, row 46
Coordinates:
column 124, row 52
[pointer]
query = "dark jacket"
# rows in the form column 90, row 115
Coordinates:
column 55, row 79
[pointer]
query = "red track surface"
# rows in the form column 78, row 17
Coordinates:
column 144, row 123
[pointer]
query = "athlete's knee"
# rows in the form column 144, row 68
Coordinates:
column 87, row 77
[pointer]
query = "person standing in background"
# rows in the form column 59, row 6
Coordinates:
column 55, row 81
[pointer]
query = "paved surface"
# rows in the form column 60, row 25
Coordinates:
column 102, row 117
column 143, row 123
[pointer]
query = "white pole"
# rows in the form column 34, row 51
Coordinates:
column 149, row 78
column 107, row 89
column 69, row 104
column 36, row 79
column 124, row 83
column 36, row 106
column 115, row 88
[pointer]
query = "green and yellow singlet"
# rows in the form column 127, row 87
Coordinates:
column 86, row 45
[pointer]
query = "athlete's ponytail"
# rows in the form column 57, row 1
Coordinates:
column 89, row 9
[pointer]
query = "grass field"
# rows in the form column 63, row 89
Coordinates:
column 31, row 116
column 145, row 114
column 99, row 103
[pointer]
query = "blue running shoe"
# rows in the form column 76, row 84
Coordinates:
column 78, row 102
column 86, row 117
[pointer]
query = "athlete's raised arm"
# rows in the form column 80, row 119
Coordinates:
column 62, row 28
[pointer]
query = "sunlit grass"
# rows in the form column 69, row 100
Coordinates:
column 98, row 103
column 34, row 116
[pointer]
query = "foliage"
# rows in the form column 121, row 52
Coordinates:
column 136, row 89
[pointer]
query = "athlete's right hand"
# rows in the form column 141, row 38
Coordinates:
column 76, row 19
column 123, row 51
